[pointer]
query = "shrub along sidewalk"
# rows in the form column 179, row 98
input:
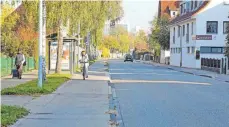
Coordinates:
column 10, row 114
column 30, row 88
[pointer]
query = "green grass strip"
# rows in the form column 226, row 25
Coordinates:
column 30, row 88
column 10, row 114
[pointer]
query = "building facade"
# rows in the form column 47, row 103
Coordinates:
column 198, row 32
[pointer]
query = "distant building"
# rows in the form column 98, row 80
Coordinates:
column 107, row 28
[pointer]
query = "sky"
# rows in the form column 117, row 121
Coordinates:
column 139, row 12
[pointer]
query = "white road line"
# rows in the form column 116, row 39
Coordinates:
column 148, row 81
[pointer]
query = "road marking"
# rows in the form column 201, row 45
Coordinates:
column 142, row 74
column 8, row 100
column 150, row 81
column 122, row 89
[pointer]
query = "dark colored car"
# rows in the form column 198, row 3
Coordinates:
column 128, row 57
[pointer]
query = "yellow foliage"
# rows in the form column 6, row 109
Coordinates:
column 105, row 52
column 6, row 10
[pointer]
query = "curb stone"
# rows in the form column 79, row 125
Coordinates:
column 202, row 75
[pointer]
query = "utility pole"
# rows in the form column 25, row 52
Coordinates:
column 44, row 29
column 78, row 44
column 40, row 43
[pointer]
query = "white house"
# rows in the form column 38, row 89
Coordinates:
column 200, row 27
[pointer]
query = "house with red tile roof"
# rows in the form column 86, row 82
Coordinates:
column 169, row 9
column 198, row 33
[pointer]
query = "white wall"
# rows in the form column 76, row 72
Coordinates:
column 171, row 14
column 188, row 59
column 215, row 11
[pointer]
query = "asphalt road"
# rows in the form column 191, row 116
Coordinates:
column 151, row 96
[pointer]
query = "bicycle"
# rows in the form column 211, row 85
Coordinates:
column 84, row 70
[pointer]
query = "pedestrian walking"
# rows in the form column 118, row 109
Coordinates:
column 19, row 62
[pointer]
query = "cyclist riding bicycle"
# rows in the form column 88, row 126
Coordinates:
column 85, row 60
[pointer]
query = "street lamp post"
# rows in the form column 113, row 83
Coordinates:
column 40, row 43
column 78, row 47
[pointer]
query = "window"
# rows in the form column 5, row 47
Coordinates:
column 192, row 29
column 188, row 28
column 188, row 7
column 188, row 49
column 183, row 30
column 225, row 26
column 192, row 5
column 195, row 4
column 174, row 33
column 181, row 8
column 174, row 13
column 205, row 49
column 178, row 31
column 193, row 50
column 216, row 50
column 211, row 50
column 187, row 35
column 184, row 6
column 212, row 27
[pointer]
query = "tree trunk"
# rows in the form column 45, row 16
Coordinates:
column 59, row 49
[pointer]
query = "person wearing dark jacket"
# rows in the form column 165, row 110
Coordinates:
column 19, row 61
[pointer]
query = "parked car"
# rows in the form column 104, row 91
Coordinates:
column 128, row 57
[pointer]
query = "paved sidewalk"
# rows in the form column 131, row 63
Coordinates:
column 209, row 74
column 8, row 81
column 77, row 103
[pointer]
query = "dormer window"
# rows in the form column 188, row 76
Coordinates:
column 195, row 4
column 183, row 8
column 192, row 5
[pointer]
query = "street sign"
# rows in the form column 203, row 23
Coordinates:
column 203, row 37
